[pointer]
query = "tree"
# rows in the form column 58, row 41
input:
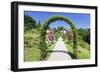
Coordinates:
column 38, row 24
column 29, row 23
column 85, row 34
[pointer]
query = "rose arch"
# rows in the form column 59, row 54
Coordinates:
column 43, row 45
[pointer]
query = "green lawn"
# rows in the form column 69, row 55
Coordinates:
column 31, row 42
column 31, row 54
column 83, row 53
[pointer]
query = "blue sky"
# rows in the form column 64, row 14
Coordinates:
column 81, row 20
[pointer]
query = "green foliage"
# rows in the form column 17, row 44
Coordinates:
column 35, row 39
column 83, row 53
column 57, row 35
column 38, row 26
column 50, row 48
column 84, row 34
column 43, row 46
column 60, row 28
column 57, row 32
column 31, row 54
column 31, row 45
column 29, row 23
column 67, row 20
column 83, row 44
column 83, row 48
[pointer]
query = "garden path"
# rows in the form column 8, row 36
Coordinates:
column 60, row 52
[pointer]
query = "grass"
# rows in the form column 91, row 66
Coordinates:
column 83, row 53
column 31, row 54
column 31, row 42
column 31, row 46
column 32, row 51
column 70, row 49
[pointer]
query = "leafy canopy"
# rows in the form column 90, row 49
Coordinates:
column 29, row 22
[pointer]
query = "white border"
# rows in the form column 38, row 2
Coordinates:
column 22, row 64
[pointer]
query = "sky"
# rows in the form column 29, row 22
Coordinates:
column 79, row 19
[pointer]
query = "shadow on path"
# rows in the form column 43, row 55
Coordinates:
column 72, row 56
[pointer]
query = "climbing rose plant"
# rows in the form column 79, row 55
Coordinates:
column 43, row 45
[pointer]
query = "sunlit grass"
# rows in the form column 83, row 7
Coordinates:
column 31, row 43
column 31, row 54
column 82, row 53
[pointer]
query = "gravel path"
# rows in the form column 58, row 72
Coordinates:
column 60, row 52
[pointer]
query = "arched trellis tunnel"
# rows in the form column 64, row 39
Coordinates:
column 54, row 18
